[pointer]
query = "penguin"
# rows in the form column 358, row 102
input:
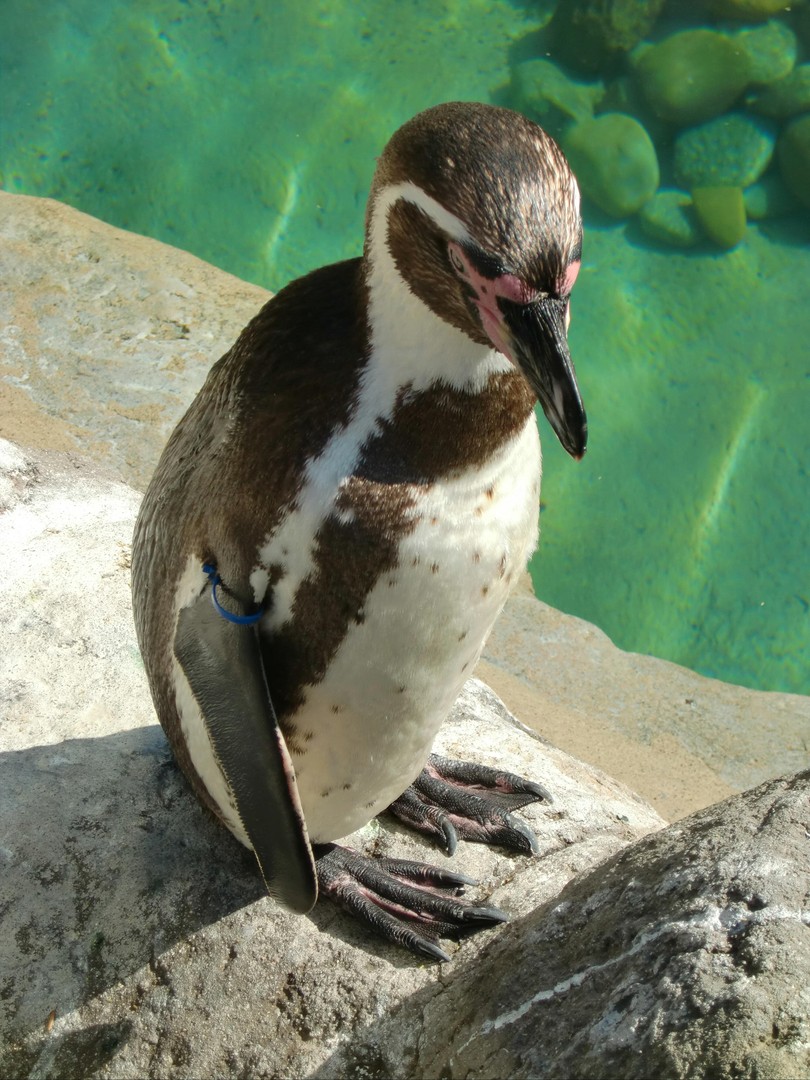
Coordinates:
column 337, row 520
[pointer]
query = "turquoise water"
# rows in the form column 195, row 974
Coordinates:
column 247, row 133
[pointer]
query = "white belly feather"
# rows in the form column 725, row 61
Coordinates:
column 396, row 675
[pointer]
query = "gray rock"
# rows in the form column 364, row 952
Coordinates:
column 669, row 218
column 130, row 913
column 687, row 955
column 124, row 909
column 731, row 151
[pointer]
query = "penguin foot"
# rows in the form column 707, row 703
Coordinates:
column 451, row 799
column 400, row 899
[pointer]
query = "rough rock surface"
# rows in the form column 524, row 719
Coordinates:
column 771, row 51
column 732, row 151
column 125, row 909
column 134, row 936
column 136, row 940
column 687, row 955
column 106, row 333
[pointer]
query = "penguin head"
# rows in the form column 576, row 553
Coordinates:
column 480, row 214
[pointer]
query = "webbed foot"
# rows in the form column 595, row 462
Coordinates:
column 409, row 903
column 451, row 799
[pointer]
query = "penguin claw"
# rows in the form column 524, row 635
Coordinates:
column 473, row 801
column 399, row 899
column 426, row 818
column 515, row 790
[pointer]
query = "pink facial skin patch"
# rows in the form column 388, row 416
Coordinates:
column 510, row 287
column 486, row 291
column 566, row 283
column 564, row 286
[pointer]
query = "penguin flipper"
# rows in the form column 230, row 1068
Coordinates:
column 223, row 664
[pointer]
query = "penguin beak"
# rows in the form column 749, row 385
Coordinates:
column 538, row 344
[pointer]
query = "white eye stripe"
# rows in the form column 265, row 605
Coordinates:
column 449, row 223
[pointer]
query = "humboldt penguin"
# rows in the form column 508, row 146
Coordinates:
column 337, row 520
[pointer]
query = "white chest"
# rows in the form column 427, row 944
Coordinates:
column 396, row 674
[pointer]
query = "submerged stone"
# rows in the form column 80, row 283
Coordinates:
column 729, row 151
column 549, row 96
column 794, row 158
column 721, row 211
column 801, row 24
column 669, row 218
column 768, row 198
column 614, row 161
column 591, row 35
column 787, row 97
column 692, row 76
column 771, row 51
column 753, row 10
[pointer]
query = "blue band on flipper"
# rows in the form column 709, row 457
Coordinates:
column 216, row 581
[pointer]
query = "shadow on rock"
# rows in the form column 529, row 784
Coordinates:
column 99, row 878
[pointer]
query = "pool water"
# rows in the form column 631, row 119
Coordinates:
column 246, row 133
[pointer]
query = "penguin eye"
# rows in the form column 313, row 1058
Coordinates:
column 455, row 260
